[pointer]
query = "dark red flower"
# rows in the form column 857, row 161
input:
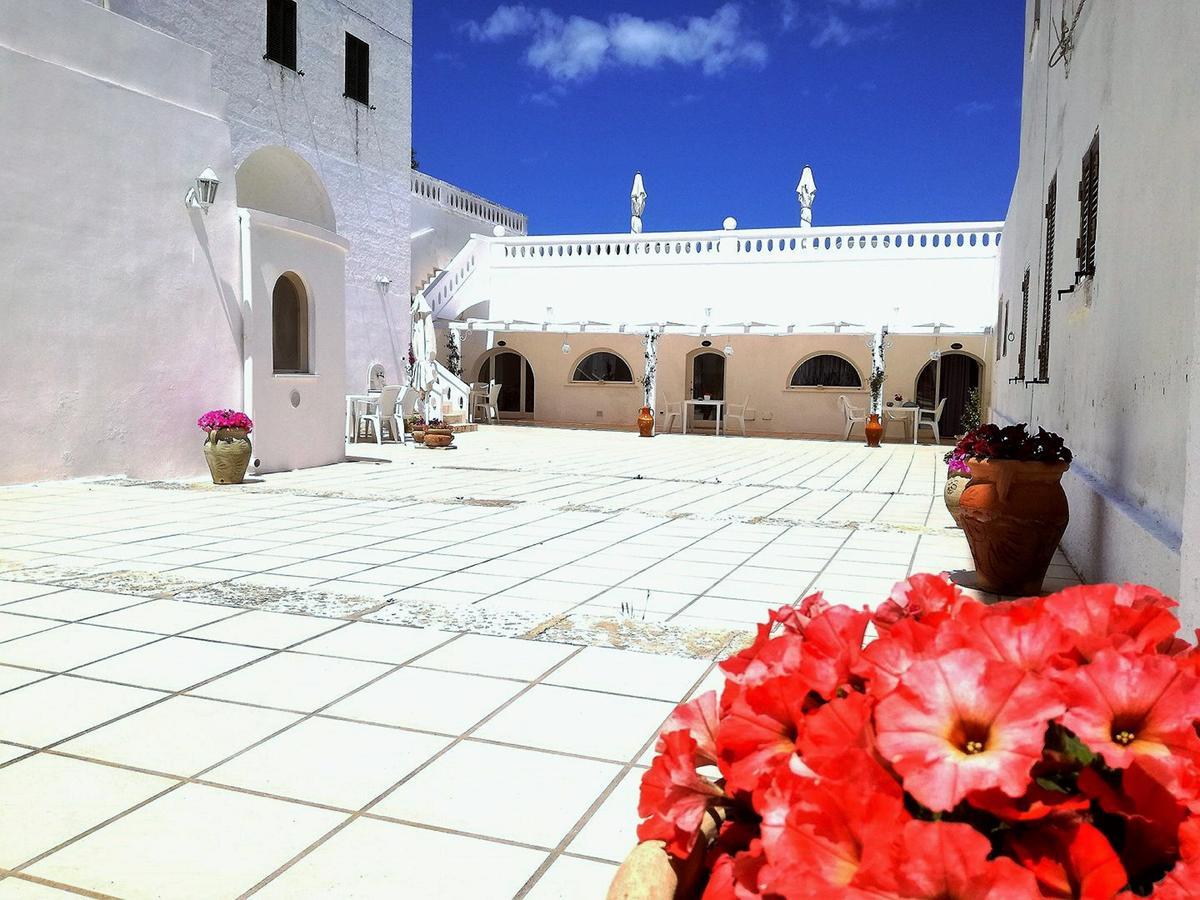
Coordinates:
column 961, row 722
column 1071, row 859
column 675, row 796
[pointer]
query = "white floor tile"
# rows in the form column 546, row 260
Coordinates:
column 266, row 629
column 180, row 736
column 378, row 643
column 498, row 656
column 629, row 672
column 172, row 664
column 165, row 616
column 293, row 681
column 71, row 645
column 50, row 799
column 574, row 721
column 369, row 858
column 428, row 700
column 197, row 841
column 343, row 764
column 611, row 832
column 573, row 879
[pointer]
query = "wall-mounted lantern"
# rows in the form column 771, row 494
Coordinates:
column 728, row 351
column 203, row 193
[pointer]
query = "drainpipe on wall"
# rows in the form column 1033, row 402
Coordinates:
column 247, row 313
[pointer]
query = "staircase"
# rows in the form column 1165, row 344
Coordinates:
column 429, row 279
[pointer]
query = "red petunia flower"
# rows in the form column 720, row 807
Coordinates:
column 1036, row 803
column 1018, row 633
column 760, row 730
column 735, row 875
column 1130, row 617
column 949, row 861
column 675, row 796
column 1183, row 881
column 921, row 596
column 1123, row 705
column 1073, row 860
column 820, row 833
column 700, row 719
column 829, row 732
column 962, row 722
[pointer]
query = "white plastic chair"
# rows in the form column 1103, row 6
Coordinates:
column 491, row 411
column 930, row 418
column 669, row 413
column 736, row 412
column 853, row 415
column 477, row 397
column 383, row 413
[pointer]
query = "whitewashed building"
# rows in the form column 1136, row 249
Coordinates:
column 136, row 296
column 779, row 320
column 1098, row 281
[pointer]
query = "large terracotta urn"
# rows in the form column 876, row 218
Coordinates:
column 649, row 873
column 227, row 452
column 874, row 430
column 645, row 422
column 1014, row 514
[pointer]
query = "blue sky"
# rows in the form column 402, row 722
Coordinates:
column 907, row 110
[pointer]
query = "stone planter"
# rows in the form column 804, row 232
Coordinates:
column 418, row 436
column 438, row 437
column 650, row 873
column 1013, row 514
column 227, row 452
column 645, row 422
column 955, row 485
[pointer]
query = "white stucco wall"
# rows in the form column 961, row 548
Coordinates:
column 361, row 154
column 775, row 276
column 119, row 317
column 1122, row 347
column 299, row 418
column 443, row 219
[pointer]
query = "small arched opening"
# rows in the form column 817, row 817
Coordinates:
column 290, row 350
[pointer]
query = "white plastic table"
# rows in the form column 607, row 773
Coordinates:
column 719, row 405
column 910, row 411
column 351, row 418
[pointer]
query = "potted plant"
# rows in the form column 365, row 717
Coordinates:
column 958, row 476
column 645, row 419
column 874, row 428
column 1014, row 510
column 971, row 413
column 416, row 427
column 438, row 434
column 1043, row 747
column 227, row 445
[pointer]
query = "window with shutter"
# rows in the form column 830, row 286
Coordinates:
column 358, row 69
column 1004, row 336
column 281, row 32
column 1089, row 197
column 1024, row 327
column 1047, row 282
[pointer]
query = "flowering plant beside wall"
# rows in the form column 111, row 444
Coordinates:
column 216, row 419
column 1043, row 747
column 1014, row 442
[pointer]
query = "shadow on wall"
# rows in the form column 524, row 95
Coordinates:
column 229, row 301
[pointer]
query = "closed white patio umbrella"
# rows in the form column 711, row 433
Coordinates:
column 637, row 204
column 424, row 344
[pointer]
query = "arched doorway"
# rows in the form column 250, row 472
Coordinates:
column 960, row 373
column 513, row 373
column 707, row 380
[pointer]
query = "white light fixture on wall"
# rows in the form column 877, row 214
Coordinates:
column 728, row 351
column 384, row 282
column 566, row 348
column 203, row 193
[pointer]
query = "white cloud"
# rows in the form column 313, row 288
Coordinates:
column 789, row 14
column 831, row 30
column 569, row 49
column 975, row 107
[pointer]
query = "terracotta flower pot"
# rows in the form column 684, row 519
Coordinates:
column 645, row 422
column 955, row 485
column 874, row 430
column 227, row 452
column 438, row 437
column 418, row 436
column 1014, row 514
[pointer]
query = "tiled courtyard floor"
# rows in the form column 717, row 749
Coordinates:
column 210, row 692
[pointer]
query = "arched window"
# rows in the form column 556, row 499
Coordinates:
column 826, row 370
column 603, row 366
column 289, row 326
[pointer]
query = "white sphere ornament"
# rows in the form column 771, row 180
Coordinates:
column 499, row 231
column 729, row 224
